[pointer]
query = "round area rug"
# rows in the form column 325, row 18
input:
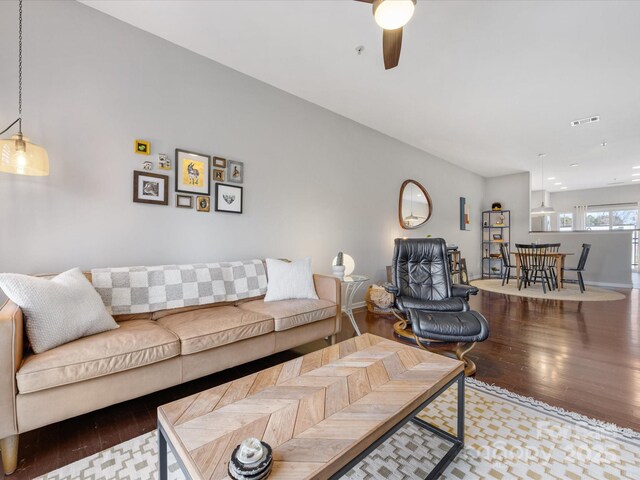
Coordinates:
column 568, row 292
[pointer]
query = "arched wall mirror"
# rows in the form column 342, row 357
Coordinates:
column 414, row 206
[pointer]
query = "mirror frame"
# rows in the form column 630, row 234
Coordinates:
column 426, row 196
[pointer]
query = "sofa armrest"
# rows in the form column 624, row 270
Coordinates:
column 330, row 288
column 11, row 348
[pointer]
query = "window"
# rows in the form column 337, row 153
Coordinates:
column 618, row 217
column 565, row 222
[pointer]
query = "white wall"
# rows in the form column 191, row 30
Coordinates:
column 315, row 182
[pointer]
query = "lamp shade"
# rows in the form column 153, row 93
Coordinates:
column 542, row 210
column 349, row 263
column 19, row 156
column 393, row 14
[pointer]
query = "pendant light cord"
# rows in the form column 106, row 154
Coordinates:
column 20, row 65
column 19, row 119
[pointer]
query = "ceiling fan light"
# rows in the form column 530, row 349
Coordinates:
column 18, row 155
column 393, row 14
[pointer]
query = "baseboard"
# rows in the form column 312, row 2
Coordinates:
column 610, row 285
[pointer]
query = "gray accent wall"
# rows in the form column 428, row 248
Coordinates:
column 316, row 182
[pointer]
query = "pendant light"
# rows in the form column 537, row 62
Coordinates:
column 17, row 154
column 542, row 210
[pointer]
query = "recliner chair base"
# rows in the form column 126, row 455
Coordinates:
column 403, row 330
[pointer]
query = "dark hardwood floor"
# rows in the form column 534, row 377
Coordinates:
column 583, row 357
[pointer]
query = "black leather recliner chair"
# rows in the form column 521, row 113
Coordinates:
column 430, row 308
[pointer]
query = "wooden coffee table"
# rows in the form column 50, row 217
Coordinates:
column 322, row 412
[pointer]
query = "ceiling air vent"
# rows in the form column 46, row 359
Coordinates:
column 582, row 121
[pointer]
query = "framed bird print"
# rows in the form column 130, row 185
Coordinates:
column 193, row 172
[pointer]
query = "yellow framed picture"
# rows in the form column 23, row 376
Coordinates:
column 193, row 172
column 142, row 147
column 203, row 204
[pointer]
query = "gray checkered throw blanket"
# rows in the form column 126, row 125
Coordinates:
column 127, row 290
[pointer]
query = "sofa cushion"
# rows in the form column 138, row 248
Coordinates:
column 134, row 344
column 207, row 328
column 292, row 313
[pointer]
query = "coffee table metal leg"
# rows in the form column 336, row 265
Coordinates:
column 162, row 455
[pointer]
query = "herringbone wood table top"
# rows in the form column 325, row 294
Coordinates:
column 318, row 412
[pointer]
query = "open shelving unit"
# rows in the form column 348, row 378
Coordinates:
column 494, row 223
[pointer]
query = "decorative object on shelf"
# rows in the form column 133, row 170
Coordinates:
column 203, row 203
column 465, row 214
column 142, row 147
column 17, row 154
column 218, row 175
column 184, row 201
column 147, row 165
column 378, row 299
column 414, row 205
column 346, row 261
column 484, row 224
column 542, row 210
column 251, row 460
column 150, row 188
column 496, row 206
column 500, row 222
column 192, row 172
column 495, row 269
column 228, row 198
column 235, row 171
column 497, row 237
column 164, row 162
column 219, row 162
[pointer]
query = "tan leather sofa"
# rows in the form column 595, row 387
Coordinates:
column 149, row 352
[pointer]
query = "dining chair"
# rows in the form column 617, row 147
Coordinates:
column 553, row 262
column 580, row 267
column 533, row 264
column 506, row 262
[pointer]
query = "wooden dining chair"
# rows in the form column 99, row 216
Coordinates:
column 553, row 262
column 580, row 267
column 506, row 262
column 533, row 264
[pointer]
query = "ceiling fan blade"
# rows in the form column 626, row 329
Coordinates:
column 391, row 43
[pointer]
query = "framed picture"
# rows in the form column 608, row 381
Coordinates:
column 184, row 201
column 235, row 171
column 228, row 198
column 497, row 237
column 147, row 165
column 150, row 188
column 219, row 162
column 193, row 172
column 218, row 175
column 203, row 204
column 142, row 147
column 164, row 162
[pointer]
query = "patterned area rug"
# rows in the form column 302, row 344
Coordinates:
column 568, row 292
column 507, row 437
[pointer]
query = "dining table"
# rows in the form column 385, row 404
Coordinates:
column 559, row 256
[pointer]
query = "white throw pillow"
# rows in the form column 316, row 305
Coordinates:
column 289, row 280
column 59, row 310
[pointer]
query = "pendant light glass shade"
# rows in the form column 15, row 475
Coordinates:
column 393, row 14
column 542, row 210
column 19, row 156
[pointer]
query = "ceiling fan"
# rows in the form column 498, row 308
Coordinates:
column 391, row 15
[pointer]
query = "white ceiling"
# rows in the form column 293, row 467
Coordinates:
column 486, row 85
